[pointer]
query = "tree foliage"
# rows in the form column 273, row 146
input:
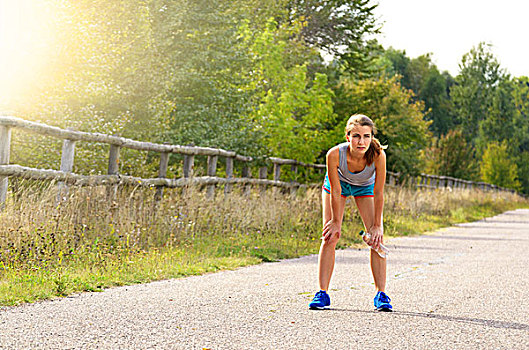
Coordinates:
column 207, row 66
column 292, row 107
column 519, row 138
column 451, row 155
column 498, row 168
column 430, row 86
column 481, row 105
column 338, row 27
column 480, row 74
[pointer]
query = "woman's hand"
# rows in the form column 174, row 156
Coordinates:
column 377, row 236
column 331, row 228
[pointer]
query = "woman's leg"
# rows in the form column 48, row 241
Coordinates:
column 366, row 208
column 326, row 256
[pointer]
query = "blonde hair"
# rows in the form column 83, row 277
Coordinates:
column 375, row 147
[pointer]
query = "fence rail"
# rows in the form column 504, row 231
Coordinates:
column 70, row 137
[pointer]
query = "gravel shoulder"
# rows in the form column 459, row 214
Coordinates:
column 463, row 287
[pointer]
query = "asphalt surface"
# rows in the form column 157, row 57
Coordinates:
column 464, row 287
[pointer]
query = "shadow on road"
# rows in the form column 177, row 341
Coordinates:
column 495, row 221
column 493, row 228
column 411, row 247
column 470, row 238
column 476, row 321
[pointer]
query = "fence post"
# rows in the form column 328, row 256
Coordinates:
column 67, row 157
column 113, row 167
column 162, row 173
column 263, row 174
column 229, row 174
column 392, row 181
column 113, row 160
column 189, row 162
column 5, row 146
column 424, row 180
column 294, row 188
column 434, row 181
column 413, row 182
column 277, row 176
column 212, row 170
column 277, row 172
column 247, row 173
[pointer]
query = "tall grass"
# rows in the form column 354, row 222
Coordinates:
column 89, row 240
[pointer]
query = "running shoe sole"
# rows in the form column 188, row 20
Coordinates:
column 319, row 307
column 383, row 309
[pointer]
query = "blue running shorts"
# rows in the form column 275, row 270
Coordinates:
column 350, row 190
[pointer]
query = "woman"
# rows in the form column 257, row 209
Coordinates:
column 355, row 168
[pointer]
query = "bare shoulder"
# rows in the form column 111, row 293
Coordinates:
column 333, row 155
column 333, row 152
column 381, row 158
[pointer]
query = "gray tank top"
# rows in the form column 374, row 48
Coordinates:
column 365, row 177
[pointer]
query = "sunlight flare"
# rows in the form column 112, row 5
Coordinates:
column 26, row 30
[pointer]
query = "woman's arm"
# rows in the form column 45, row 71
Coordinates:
column 334, row 225
column 377, row 231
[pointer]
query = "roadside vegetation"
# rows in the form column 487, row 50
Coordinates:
column 88, row 243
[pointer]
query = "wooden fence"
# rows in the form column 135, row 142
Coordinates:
column 70, row 137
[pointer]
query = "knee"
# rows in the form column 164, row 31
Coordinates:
column 331, row 242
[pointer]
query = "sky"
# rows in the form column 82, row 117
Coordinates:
column 449, row 28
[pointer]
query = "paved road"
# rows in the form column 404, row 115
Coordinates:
column 464, row 287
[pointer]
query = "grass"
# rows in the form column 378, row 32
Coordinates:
column 93, row 241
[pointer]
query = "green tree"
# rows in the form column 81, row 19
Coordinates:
column 473, row 92
column 340, row 28
column 428, row 84
column 417, row 72
column 292, row 106
column 395, row 62
column 434, row 93
column 500, row 120
column 207, row 66
column 520, row 130
column 450, row 155
column 498, row 168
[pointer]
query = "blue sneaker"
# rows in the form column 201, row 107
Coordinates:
column 321, row 301
column 382, row 302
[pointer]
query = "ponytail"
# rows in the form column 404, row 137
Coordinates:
column 373, row 151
